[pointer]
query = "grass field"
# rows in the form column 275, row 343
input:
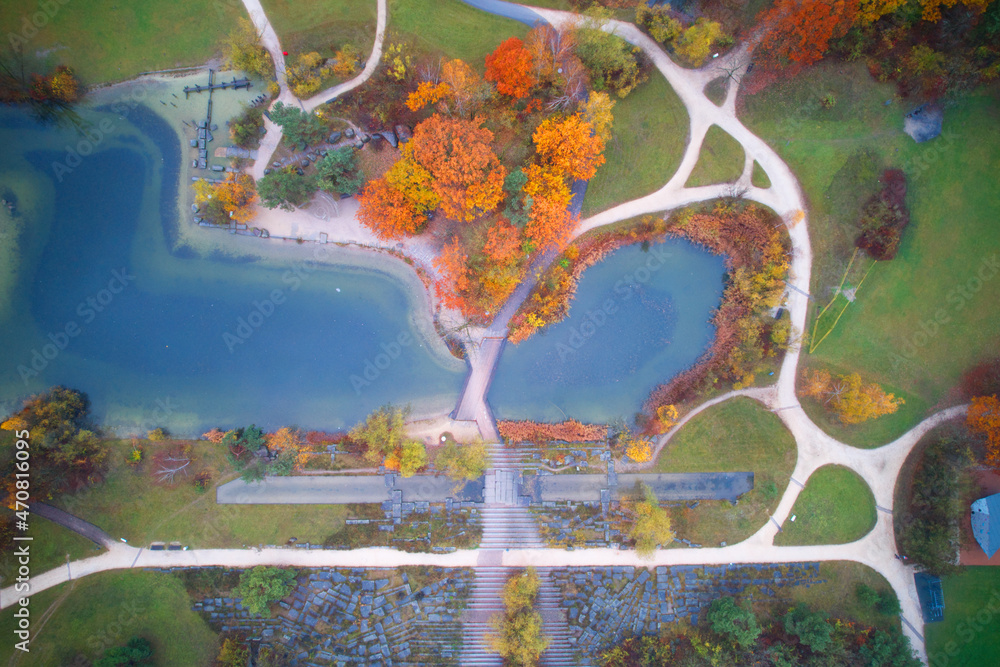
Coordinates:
column 838, row 597
column 451, row 28
column 647, row 143
column 49, row 546
column 969, row 635
column 113, row 40
column 104, row 610
column 323, row 25
column 734, row 436
column 836, row 507
column 923, row 318
column 131, row 504
column 759, row 177
column 720, row 161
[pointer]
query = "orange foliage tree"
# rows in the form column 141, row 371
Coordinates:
column 800, row 31
column 237, row 194
column 549, row 223
column 510, row 68
column 857, row 402
column 458, row 153
column 427, row 93
column 984, row 417
column 569, row 146
column 503, row 241
column 464, row 84
column 549, row 49
column 387, row 212
column 454, row 268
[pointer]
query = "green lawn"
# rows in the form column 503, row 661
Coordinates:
column 104, row 610
column 113, row 40
column 721, row 159
column 759, row 177
column 131, row 504
column 734, row 436
column 452, row 28
column 969, row 635
column 323, row 25
column 49, row 545
column 647, row 143
column 911, row 329
column 838, row 597
column 836, row 507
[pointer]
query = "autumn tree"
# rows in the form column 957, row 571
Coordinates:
column 304, row 75
column 510, row 68
column 598, row 112
column 550, row 224
column 613, row 63
column 503, row 241
column 466, row 88
column 463, row 462
column 459, row 155
column 243, row 50
column 426, row 93
column 799, row 31
column 569, row 146
column 64, row 86
column 412, row 457
column 237, row 195
column 984, row 417
column 387, row 212
column 650, row 523
column 857, row 402
column 453, row 265
column 549, row 49
column 517, row 634
column 695, row 43
column 347, row 58
column 413, row 181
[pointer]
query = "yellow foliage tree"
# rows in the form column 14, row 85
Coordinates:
column 465, row 84
column 984, row 417
column 347, row 61
column 856, row 402
column 413, row 181
column 639, row 450
column 598, row 112
column 695, row 43
column 398, row 64
column 238, row 196
column 427, row 93
column 667, row 416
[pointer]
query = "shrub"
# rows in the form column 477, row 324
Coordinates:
column 884, row 217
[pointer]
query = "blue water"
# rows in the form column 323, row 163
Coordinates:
column 638, row 319
column 164, row 337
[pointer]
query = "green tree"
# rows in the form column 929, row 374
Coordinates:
column 382, row 432
column 298, row 126
column 463, row 462
column 263, row 585
column 246, row 129
column 138, row 652
column 888, row 649
column 286, row 188
column 413, row 458
column 811, row 628
column 651, row 523
column 733, row 621
column 244, row 51
column 613, row 62
column 338, row 172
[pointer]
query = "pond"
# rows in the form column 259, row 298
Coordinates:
column 640, row 317
column 98, row 293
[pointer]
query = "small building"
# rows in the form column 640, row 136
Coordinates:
column 931, row 597
column 986, row 523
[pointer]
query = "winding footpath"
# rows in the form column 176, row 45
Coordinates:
column 879, row 467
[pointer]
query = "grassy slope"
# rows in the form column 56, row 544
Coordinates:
column 323, row 25
column 735, row 436
column 836, row 507
column 720, row 161
column 951, row 197
column 969, row 635
column 113, row 40
column 131, row 505
column 647, row 143
column 837, row 596
column 107, row 609
column 452, row 28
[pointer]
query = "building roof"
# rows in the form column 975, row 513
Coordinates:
column 986, row 523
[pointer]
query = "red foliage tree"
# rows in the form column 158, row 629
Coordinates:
column 510, row 68
column 799, row 31
column 387, row 212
